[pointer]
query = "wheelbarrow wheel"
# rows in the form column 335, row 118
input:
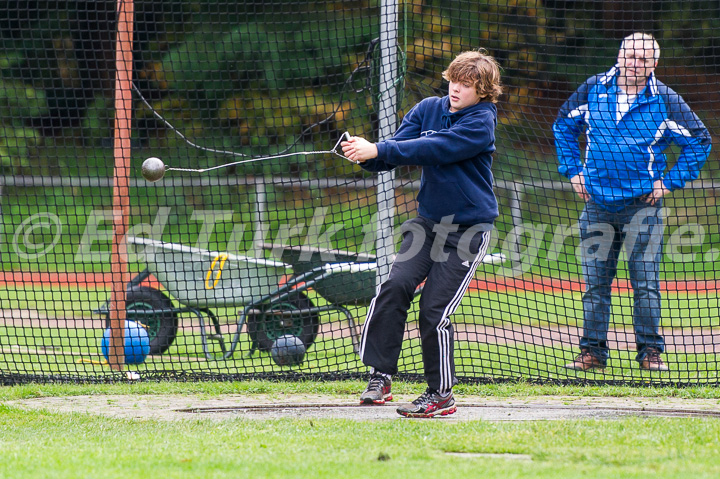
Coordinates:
column 270, row 323
column 161, row 327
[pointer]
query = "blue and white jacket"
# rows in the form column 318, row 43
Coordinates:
column 624, row 158
column 455, row 152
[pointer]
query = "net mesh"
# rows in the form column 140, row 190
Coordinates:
column 267, row 268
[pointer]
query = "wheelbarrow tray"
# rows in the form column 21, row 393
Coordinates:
column 306, row 258
column 204, row 279
column 349, row 277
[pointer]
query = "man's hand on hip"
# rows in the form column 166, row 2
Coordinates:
column 578, row 184
column 658, row 192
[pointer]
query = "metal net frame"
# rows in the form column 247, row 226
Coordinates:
column 266, row 268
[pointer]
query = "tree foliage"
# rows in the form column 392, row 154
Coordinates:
column 255, row 75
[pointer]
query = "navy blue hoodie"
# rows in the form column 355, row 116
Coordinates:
column 455, row 152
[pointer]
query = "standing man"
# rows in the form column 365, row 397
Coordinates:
column 628, row 118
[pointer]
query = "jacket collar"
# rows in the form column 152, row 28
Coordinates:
column 609, row 78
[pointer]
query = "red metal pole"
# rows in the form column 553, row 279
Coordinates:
column 121, row 198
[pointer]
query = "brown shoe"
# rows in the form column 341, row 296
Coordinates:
column 653, row 361
column 586, row 360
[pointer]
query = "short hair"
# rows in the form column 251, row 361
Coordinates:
column 641, row 38
column 478, row 68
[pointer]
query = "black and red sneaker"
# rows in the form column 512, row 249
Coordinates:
column 429, row 404
column 377, row 390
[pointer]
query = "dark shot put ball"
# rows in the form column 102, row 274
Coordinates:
column 288, row 350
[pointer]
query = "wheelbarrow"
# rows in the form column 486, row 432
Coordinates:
column 272, row 305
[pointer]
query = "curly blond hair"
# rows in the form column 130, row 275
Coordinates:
column 478, row 68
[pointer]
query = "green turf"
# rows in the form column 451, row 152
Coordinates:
column 67, row 348
column 72, row 353
column 65, row 445
column 680, row 310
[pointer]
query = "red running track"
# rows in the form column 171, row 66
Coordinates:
column 498, row 284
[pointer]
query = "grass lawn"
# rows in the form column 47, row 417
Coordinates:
column 70, row 445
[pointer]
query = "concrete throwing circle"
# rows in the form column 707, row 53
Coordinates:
column 304, row 406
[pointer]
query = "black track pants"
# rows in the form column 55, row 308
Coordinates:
column 447, row 261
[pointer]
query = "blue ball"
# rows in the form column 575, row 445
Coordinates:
column 288, row 350
column 137, row 343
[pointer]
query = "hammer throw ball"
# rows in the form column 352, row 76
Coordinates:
column 153, row 169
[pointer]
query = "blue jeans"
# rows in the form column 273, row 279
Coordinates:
column 640, row 227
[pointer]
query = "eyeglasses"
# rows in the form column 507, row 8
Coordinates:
column 638, row 56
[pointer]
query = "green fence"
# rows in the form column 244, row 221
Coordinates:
column 291, row 239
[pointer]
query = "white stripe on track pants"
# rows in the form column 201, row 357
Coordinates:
column 446, row 260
